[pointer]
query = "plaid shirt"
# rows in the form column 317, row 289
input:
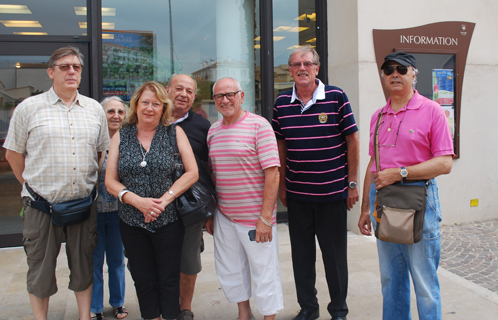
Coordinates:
column 59, row 143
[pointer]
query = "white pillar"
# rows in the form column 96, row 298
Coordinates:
column 235, row 45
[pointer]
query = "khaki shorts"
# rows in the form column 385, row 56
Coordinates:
column 42, row 243
column 191, row 251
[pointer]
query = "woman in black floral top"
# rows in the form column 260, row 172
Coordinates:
column 139, row 173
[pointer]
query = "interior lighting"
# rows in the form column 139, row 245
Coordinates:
column 311, row 16
column 275, row 38
column 15, row 8
column 109, row 12
column 311, row 40
column 290, row 29
column 105, row 25
column 21, row 23
column 31, row 33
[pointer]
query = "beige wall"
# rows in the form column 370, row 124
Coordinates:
column 352, row 67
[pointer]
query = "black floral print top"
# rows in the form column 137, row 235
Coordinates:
column 151, row 181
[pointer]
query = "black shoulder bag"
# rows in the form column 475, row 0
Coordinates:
column 199, row 202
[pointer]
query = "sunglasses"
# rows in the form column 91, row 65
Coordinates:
column 65, row 67
column 390, row 70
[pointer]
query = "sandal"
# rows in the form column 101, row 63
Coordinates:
column 98, row 316
column 120, row 312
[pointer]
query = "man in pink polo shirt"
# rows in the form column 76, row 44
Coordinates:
column 415, row 145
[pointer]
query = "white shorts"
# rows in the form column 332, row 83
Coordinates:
column 237, row 259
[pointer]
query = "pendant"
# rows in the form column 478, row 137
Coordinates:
column 388, row 129
column 143, row 164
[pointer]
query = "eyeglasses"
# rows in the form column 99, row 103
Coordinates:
column 65, row 67
column 397, row 133
column 229, row 95
column 390, row 70
column 306, row 64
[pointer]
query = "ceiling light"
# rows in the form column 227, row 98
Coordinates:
column 109, row 12
column 290, row 29
column 105, row 25
column 311, row 16
column 293, row 47
column 31, row 33
column 282, row 28
column 14, row 8
column 257, row 46
column 274, row 38
column 298, row 29
column 107, row 36
column 21, row 23
column 312, row 40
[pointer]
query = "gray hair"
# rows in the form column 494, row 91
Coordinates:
column 177, row 74
column 104, row 102
column 304, row 50
column 239, row 87
column 65, row 51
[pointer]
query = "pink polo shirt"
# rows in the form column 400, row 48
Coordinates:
column 423, row 134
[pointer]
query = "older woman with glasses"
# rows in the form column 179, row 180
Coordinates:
column 139, row 173
column 109, row 241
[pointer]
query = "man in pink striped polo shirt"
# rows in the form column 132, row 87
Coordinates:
column 244, row 158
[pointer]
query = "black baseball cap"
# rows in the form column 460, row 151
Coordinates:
column 403, row 58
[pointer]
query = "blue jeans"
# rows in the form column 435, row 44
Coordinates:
column 110, row 243
column 421, row 260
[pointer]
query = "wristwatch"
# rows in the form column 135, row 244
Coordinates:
column 352, row 184
column 171, row 192
column 404, row 173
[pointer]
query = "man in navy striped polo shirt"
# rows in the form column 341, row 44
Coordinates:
column 319, row 154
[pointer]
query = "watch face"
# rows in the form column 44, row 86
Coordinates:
column 404, row 173
column 353, row 184
column 170, row 192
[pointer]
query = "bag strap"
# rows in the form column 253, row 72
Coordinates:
column 376, row 147
column 177, row 157
column 376, row 142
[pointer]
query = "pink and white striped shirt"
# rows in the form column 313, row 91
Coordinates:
column 238, row 155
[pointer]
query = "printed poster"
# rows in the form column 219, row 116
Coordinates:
column 442, row 86
column 449, row 111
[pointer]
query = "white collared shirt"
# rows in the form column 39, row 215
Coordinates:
column 318, row 94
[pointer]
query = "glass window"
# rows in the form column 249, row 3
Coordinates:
column 206, row 39
column 44, row 18
column 294, row 25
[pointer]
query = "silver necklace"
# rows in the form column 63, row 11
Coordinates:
column 143, row 163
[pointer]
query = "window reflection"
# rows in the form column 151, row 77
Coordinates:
column 207, row 39
column 294, row 25
column 32, row 17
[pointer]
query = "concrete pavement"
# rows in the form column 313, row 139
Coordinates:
column 462, row 298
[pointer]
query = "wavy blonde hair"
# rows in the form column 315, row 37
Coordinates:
column 161, row 95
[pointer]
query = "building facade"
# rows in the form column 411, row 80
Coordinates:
column 127, row 42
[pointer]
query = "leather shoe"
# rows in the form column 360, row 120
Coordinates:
column 307, row 315
column 339, row 318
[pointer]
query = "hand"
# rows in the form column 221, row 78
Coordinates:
column 386, row 177
column 151, row 208
column 364, row 222
column 263, row 232
column 209, row 225
column 353, row 197
column 282, row 195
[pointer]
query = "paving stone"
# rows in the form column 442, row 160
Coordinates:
column 468, row 250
